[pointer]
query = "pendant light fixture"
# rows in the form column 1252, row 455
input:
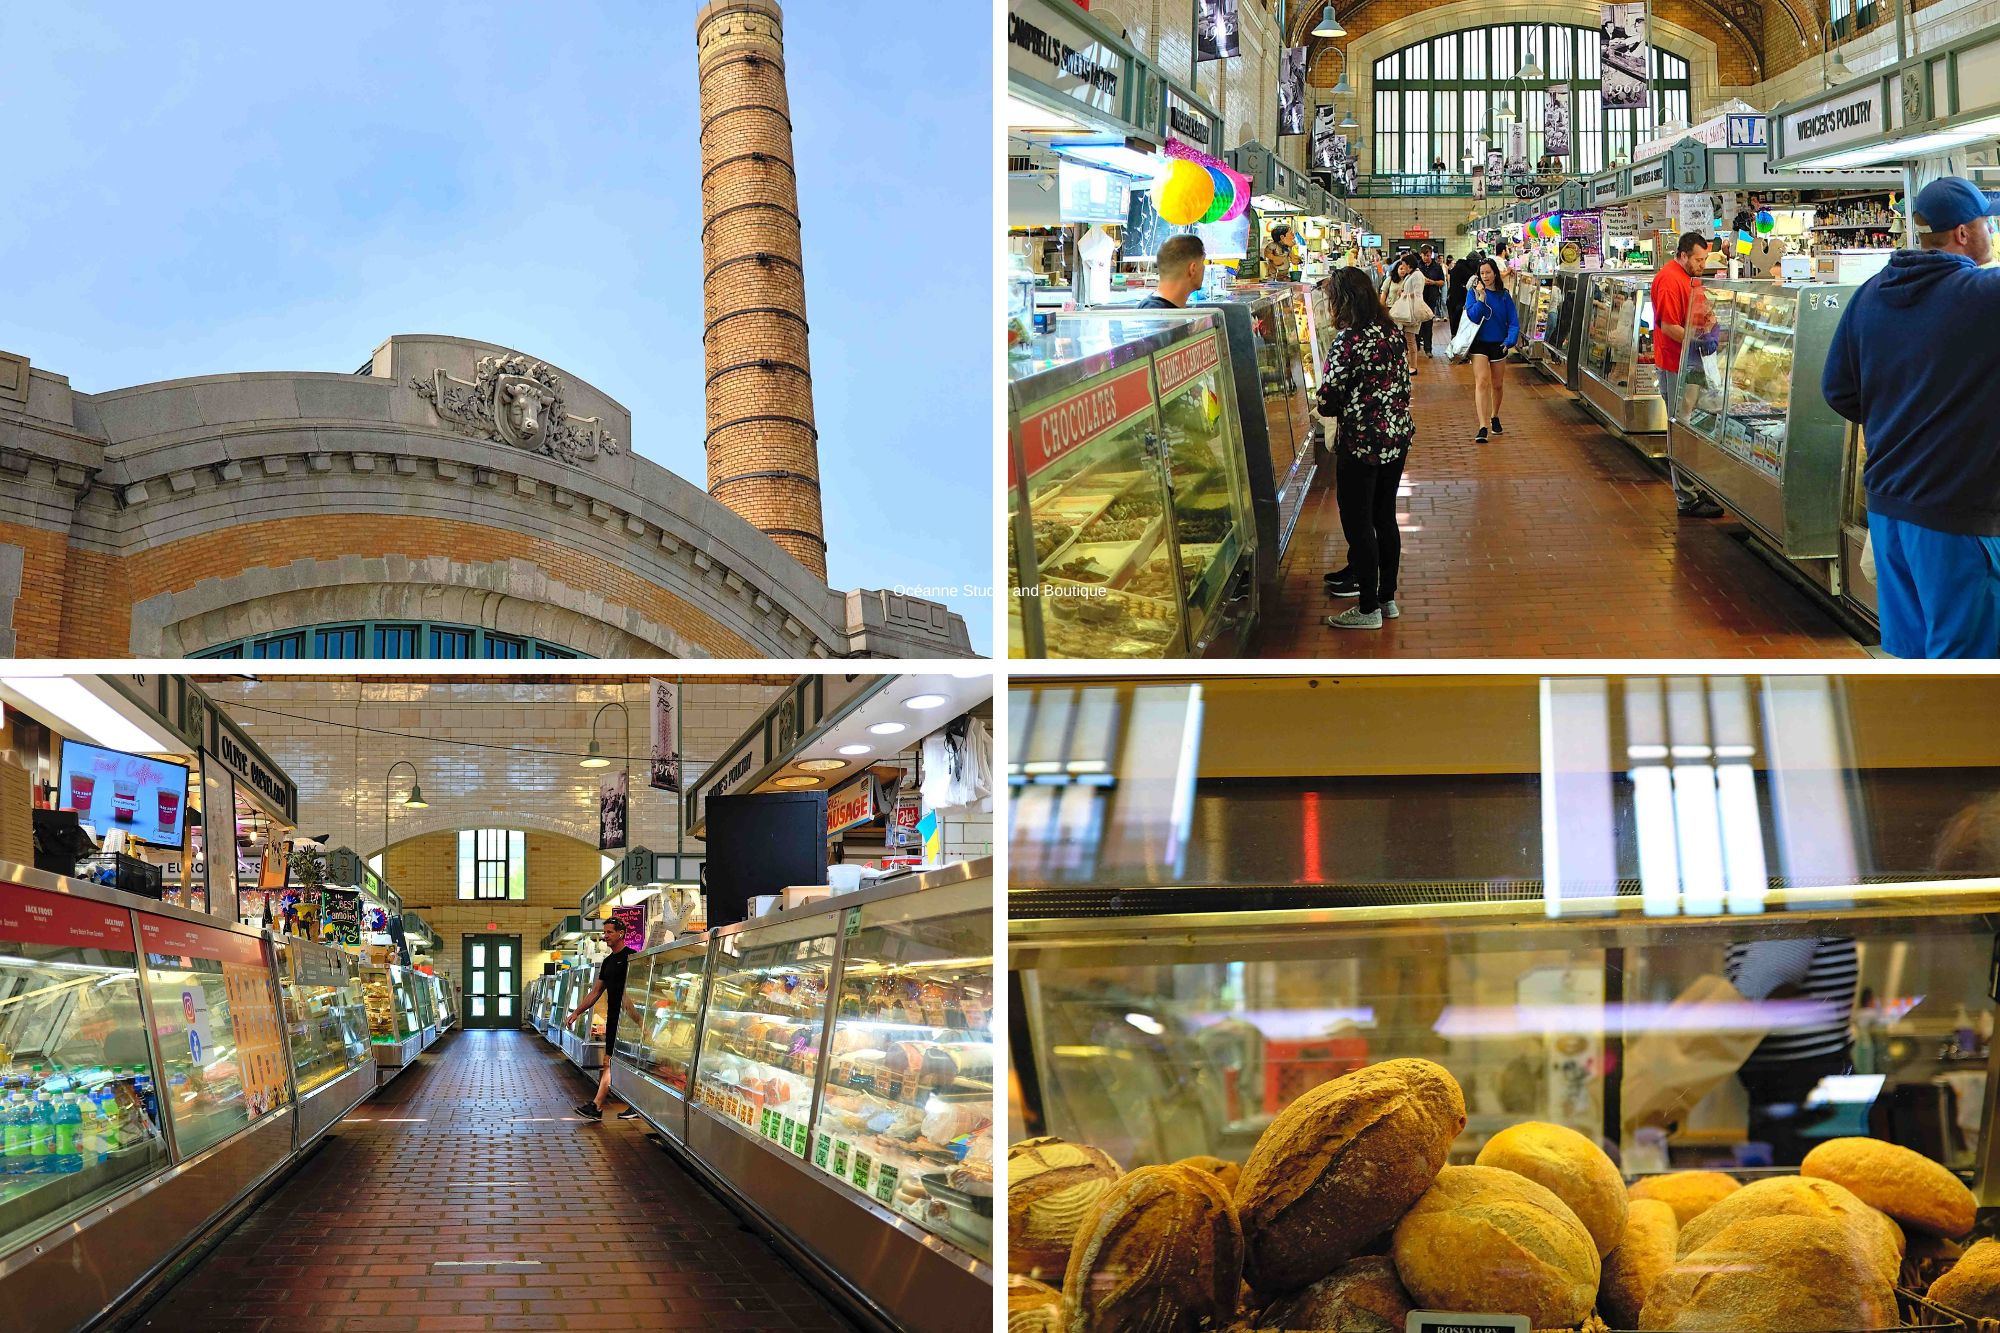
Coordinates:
column 1328, row 25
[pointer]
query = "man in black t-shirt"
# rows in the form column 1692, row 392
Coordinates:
column 610, row 984
column 1434, row 280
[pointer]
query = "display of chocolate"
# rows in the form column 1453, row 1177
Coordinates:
column 1119, row 632
column 1109, row 529
column 1049, row 534
column 1157, row 580
column 1348, row 1218
column 1138, row 504
column 1081, row 569
column 1199, row 527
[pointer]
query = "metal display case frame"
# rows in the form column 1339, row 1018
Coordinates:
column 1634, row 413
column 886, row 1269
column 582, row 1050
column 322, row 1107
column 1797, row 508
column 1559, row 358
column 1857, row 589
column 76, row 1271
column 394, row 1056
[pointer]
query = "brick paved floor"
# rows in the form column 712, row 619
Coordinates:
column 475, row 1155
column 1556, row 539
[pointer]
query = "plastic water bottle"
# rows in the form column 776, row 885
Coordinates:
column 42, row 1119
column 15, row 1134
column 142, row 1084
column 69, row 1134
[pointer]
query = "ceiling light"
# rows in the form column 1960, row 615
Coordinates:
column 886, row 729
column 415, row 800
column 1328, row 25
column 796, row 780
column 821, row 765
column 78, row 712
column 1027, row 116
column 594, row 759
column 1347, row 122
column 856, row 749
column 1119, row 157
column 979, row 671
column 1531, row 69
column 1343, row 87
column 920, row 702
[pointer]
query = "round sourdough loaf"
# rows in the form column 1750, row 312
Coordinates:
column 1341, row 1165
column 1690, row 1193
column 1361, row 1296
column 1872, row 1235
column 1483, row 1239
column 1972, row 1287
column 1646, row 1252
column 1032, row 1307
column 1226, row 1173
column 1160, row 1252
column 1773, row 1275
column 1051, row 1186
column 1576, row 1170
column 1906, row 1185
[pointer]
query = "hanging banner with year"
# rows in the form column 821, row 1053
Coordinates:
column 665, row 773
column 1218, row 32
column 1292, row 91
column 1622, row 30
column 1556, row 121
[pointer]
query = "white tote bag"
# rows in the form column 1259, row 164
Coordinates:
column 1462, row 339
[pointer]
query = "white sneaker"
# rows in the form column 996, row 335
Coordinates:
column 1390, row 611
column 1353, row 618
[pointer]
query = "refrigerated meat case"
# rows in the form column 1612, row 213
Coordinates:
column 1618, row 382
column 1556, row 353
column 1130, row 529
column 830, row 1070
column 394, row 1030
column 255, row 1050
column 1756, row 433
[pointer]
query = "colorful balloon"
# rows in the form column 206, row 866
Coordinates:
column 1765, row 222
column 1240, row 184
column 1225, row 195
column 1184, row 193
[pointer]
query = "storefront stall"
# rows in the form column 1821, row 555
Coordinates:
column 1566, row 895
column 831, row 1070
column 254, row 1049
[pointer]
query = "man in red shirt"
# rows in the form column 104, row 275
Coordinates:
column 1673, row 296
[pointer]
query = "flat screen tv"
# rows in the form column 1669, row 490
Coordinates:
column 144, row 797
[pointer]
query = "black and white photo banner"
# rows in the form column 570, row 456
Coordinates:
column 1623, row 30
column 1292, row 91
column 1217, row 30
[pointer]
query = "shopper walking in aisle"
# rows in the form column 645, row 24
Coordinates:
column 1462, row 274
column 1433, row 296
column 1489, row 305
column 610, row 985
column 1182, row 265
column 1911, row 361
column 1674, row 288
column 1366, row 388
column 1408, row 309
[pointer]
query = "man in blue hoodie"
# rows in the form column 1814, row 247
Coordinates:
column 1912, row 362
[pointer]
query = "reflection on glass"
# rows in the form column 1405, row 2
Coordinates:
column 662, row 1045
column 219, row 1044
column 907, row 1114
column 391, row 1003
column 325, row 1016
column 760, row 1052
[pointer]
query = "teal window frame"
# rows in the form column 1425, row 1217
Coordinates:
column 1432, row 97
column 369, row 638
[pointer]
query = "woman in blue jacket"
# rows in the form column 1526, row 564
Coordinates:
column 1488, row 305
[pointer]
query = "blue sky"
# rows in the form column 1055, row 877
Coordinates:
column 221, row 187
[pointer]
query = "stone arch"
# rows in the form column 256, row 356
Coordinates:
column 413, row 824
column 512, row 596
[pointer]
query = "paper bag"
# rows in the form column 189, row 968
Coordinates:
column 1704, row 1037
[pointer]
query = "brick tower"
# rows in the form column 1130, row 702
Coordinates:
column 763, row 449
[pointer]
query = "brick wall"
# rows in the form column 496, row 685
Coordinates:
column 36, row 621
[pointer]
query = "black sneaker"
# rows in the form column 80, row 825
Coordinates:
column 1342, row 589
column 1700, row 507
column 1481, row 437
column 1496, row 427
column 588, row 1110
column 629, row 1113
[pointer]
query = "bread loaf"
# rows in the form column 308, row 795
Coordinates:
column 1051, row 1187
column 1361, row 1296
column 1646, row 1252
column 1031, row 1306
column 1689, row 1193
column 1484, row 1239
column 1341, row 1165
column 1576, row 1170
column 1160, row 1252
column 1906, row 1185
column 1782, row 1274
column 1226, row 1172
column 1873, row 1235
column 1972, row 1287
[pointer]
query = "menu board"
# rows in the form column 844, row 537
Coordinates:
column 56, row 920
column 253, row 1021
column 109, row 789
column 342, row 908
column 249, row 1000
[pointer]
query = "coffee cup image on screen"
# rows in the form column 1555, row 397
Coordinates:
column 146, row 798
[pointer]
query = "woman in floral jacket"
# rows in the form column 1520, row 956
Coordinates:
column 1366, row 388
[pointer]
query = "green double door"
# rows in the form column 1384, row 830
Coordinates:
column 492, row 977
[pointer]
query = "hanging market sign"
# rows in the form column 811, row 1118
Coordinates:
column 850, row 806
column 1054, row 433
column 1187, row 362
column 1747, row 131
column 1851, row 116
column 1604, row 188
column 1650, row 178
column 1189, row 121
column 1062, row 54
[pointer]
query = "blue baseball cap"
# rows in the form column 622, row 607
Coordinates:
column 1953, row 201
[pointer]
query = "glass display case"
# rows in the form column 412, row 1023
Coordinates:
column 1707, row 923
column 1129, row 516
column 662, row 1044
column 217, row 1019
column 74, row 1058
column 326, row 1018
column 1531, row 293
column 906, row 1115
column 1556, row 355
column 1619, row 383
column 1857, row 587
column 1757, row 434
column 760, row 1047
column 423, row 989
column 583, row 1038
column 394, row 1029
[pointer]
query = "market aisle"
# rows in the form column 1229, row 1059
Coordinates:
column 1556, row 539
column 476, row 1155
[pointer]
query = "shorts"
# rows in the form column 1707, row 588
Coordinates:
column 1492, row 351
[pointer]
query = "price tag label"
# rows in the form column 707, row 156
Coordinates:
column 885, row 1183
column 1442, row 1321
column 820, row 1152
column 791, row 1128
column 853, row 922
column 840, row 1157
column 863, row 1170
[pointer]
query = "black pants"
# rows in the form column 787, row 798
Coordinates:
column 1454, row 307
column 1777, row 1093
column 1366, row 494
column 1426, row 329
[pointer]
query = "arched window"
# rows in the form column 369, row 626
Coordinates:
column 1437, row 100
column 391, row 638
